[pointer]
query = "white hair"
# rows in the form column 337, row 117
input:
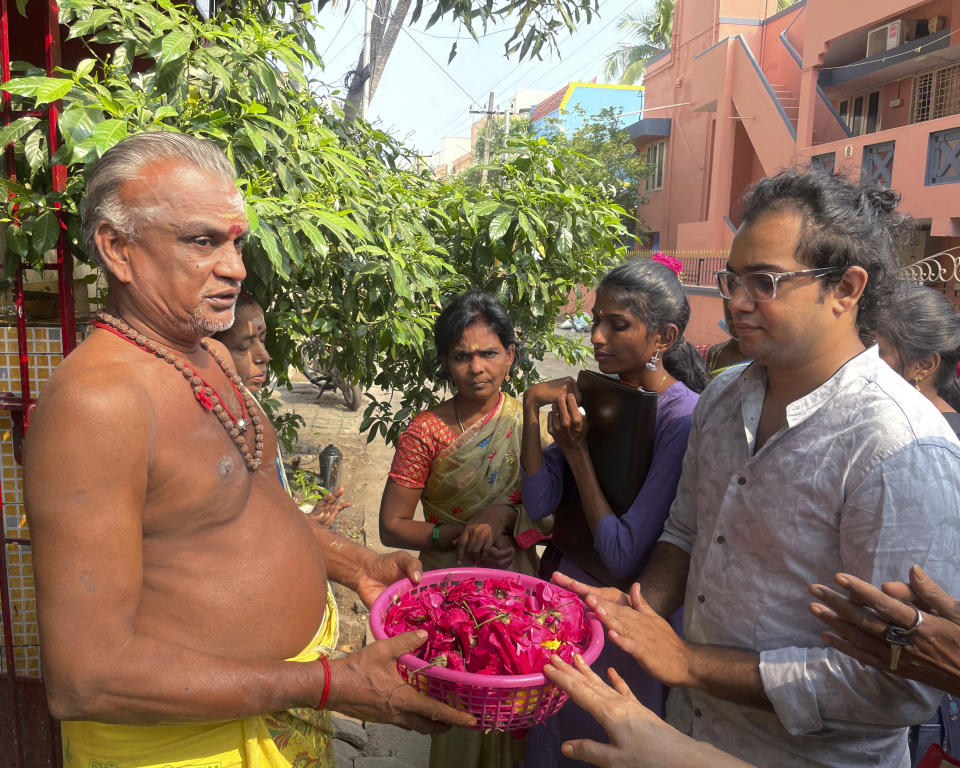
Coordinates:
column 124, row 161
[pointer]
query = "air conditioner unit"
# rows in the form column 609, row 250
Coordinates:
column 890, row 35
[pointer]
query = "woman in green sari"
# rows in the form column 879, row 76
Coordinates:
column 460, row 460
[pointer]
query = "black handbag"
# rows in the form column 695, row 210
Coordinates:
column 621, row 425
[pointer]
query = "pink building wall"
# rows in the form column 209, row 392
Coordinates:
column 740, row 89
column 731, row 125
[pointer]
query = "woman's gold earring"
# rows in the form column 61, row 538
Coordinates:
column 508, row 376
column 916, row 382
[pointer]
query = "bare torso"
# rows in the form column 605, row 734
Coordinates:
column 223, row 549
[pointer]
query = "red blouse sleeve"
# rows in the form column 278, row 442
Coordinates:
column 417, row 447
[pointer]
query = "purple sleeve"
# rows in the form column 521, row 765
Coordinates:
column 542, row 491
column 625, row 543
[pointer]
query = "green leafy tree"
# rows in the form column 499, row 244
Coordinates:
column 651, row 32
column 609, row 161
column 348, row 243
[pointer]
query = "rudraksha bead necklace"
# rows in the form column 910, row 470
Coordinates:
column 206, row 395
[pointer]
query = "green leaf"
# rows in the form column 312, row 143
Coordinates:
column 108, row 133
column 34, row 150
column 256, row 137
column 164, row 112
column 84, row 68
column 16, row 241
column 16, row 130
column 44, row 233
column 486, row 207
column 175, row 46
column 500, row 225
column 43, row 89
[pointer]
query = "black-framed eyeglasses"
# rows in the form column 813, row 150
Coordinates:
column 762, row 286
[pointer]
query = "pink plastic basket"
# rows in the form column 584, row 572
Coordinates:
column 499, row 702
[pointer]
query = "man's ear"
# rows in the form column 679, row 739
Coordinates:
column 848, row 291
column 113, row 247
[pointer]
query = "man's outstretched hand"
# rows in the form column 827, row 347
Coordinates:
column 367, row 685
column 379, row 572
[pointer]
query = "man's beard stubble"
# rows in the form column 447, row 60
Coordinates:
column 206, row 327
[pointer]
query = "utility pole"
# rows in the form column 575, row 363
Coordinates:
column 486, row 139
column 367, row 68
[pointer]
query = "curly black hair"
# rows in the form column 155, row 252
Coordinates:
column 843, row 225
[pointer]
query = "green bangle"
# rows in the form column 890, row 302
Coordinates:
column 435, row 536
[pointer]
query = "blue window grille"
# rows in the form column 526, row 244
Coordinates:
column 825, row 162
column 943, row 158
column 877, row 163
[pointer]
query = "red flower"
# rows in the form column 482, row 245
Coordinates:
column 494, row 627
column 516, row 497
column 669, row 261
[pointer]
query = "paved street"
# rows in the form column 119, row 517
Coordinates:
column 365, row 467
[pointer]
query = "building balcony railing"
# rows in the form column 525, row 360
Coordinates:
column 698, row 266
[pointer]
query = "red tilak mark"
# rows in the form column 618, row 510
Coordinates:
column 235, row 231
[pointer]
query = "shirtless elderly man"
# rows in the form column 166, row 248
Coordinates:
column 176, row 580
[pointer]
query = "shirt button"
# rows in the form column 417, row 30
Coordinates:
column 721, row 539
column 700, row 598
column 741, row 481
column 697, row 713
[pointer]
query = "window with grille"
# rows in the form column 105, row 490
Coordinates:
column 655, row 156
column 936, row 94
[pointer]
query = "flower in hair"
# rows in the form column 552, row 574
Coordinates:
column 672, row 262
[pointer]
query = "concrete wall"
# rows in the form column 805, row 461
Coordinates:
column 938, row 204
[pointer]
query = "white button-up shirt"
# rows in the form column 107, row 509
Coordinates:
column 864, row 478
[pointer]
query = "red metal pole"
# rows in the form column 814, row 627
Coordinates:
column 13, row 691
column 22, row 348
column 68, row 326
column 13, row 688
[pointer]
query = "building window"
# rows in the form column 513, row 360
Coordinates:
column 877, row 164
column 943, row 157
column 935, row 94
column 655, row 156
column 860, row 112
column 825, row 162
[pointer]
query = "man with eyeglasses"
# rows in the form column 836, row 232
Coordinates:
column 815, row 459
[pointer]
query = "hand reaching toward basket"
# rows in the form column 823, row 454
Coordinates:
column 638, row 738
column 608, row 594
column 633, row 625
column 366, row 685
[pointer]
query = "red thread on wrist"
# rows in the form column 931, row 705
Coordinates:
column 326, row 682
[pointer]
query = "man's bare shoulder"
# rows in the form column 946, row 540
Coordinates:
column 96, row 381
column 218, row 347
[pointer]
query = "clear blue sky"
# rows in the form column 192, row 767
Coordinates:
column 421, row 100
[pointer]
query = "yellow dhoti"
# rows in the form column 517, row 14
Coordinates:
column 295, row 738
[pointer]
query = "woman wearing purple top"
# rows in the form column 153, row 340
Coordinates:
column 638, row 322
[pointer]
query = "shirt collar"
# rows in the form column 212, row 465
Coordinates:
column 753, row 384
